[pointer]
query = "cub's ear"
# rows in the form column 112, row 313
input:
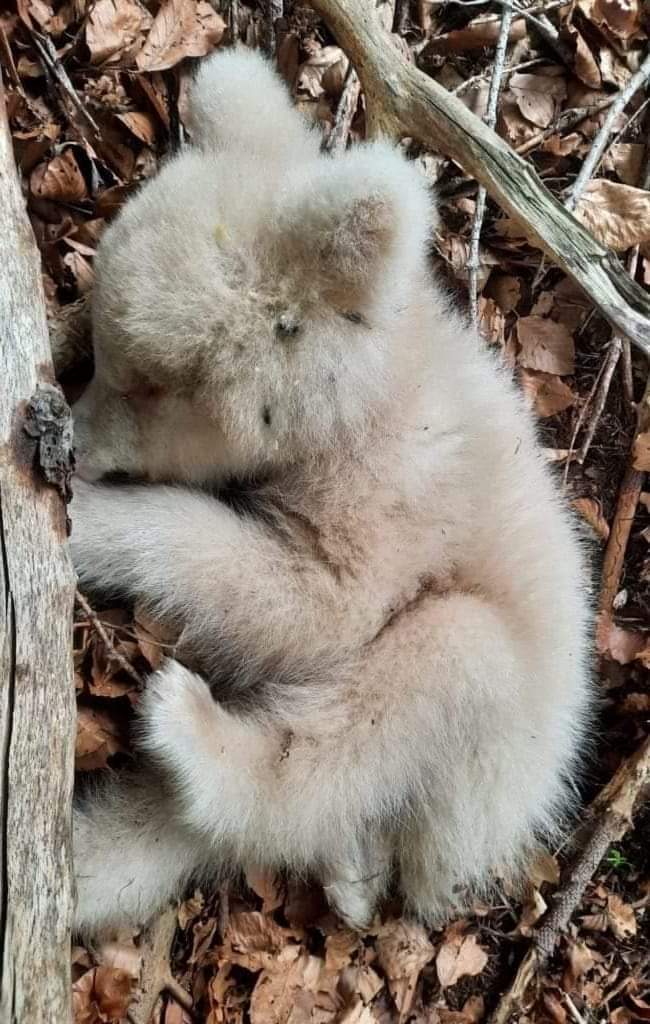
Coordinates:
column 358, row 222
column 237, row 101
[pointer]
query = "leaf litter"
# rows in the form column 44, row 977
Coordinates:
column 270, row 950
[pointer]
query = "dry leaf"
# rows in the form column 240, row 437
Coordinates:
column 181, row 28
column 618, row 216
column 115, row 30
column 538, row 96
column 547, row 392
column 268, row 886
column 545, row 345
column 621, row 645
column 621, row 917
column 458, row 956
column 102, row 994
column 491, row 321
column 482, row 31
column 592, row 513
column 98, row 736
column 141, row 125
column 59, row 180
column 626, row 160
column 403, row 949
column 506, row 289
column 295, row 989
column 580, row 960
column 544, row 868
column 254, row 940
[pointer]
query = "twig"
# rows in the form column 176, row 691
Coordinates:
column 274, row 11
column 51, row 61
column 611, row 815
column 156, row 976
column 337, row 139
column 604, row 381
column 509, row 69
column 99, row 628
column 618, row 347
column 473, row 261
column 601, row 140
column 568, row 119
column 402, row 101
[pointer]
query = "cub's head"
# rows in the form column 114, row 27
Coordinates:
column 243, row 320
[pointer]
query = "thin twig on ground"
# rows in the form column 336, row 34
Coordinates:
column 52, row 64
column 337, row 139
column 567, row 120
column 274, row 11
column 473, row 262
column 619, row 346
column 611, row 815
column 601, row 140
column 156, row 976
column 102, row 633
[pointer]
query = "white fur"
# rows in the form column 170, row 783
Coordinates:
column 394, row 626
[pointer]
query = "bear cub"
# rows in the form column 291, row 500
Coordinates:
column 336, row 496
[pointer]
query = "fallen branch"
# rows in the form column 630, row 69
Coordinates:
column 37, row 715
column 490, row 118
column 610, row 816
column 403, row 101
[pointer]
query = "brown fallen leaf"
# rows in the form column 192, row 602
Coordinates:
column 253, row 940
column 459, row 955
column 617, row 215
column 621, row 917
column 481, row 31
column 585, row 64
column 102, row 994
column 590, row 510
column 268, row 886
column 115, row 30
column 626, row 160
column 621, row 645
column 547, row 392
column 181, row 28
column 621, row 17
column 403, row 949
column 98, row 737
column 580, row 959
column 59, row 180
column 506, row 290
column 295, row 989
column 491, row 321
column 141, row 125
column 545, row 345
column 538, row 96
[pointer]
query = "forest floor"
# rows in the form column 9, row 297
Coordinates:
column 96, row 94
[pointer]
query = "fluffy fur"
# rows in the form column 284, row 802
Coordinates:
column 389, row 615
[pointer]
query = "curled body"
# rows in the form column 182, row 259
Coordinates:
column 389, row 621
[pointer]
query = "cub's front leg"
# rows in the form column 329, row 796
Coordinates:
column 228, row 581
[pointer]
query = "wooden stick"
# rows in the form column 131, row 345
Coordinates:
column 473, row 262
column 403, row 101
column 37, row 714
column 611, row 815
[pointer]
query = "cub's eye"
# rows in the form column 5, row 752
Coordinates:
column 355, row 318
column 142, row 393
column 286, row 326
